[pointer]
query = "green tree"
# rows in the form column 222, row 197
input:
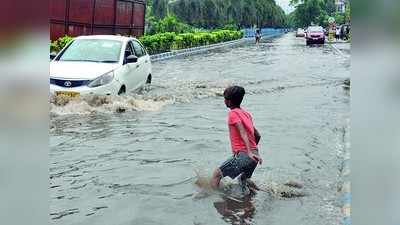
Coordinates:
column 159, row 8
column 330, row 7
column 220, row 13
column 167, row 24
column 347, row 13
column 339, row 18
column 318, row 12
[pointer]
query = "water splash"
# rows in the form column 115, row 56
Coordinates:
column 61, row 105
column 231, row 188
column 173, row 91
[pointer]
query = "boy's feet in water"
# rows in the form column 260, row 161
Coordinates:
column 248, row 186
column 243, row 186
column 252, row 185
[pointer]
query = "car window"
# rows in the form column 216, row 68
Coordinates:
column 92, row 50
column 315, row 29
column 138, row 49
column 128, row 50
column 143, row 48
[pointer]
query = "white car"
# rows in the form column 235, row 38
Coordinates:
column 100, row 65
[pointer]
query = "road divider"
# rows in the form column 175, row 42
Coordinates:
column 200, row 49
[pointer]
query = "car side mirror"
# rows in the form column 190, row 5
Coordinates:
column 131, row 59
column 53, row 55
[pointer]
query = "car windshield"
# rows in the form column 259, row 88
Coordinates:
column 315, row 29
column 93, row 50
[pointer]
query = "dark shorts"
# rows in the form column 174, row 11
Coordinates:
column 237, row 164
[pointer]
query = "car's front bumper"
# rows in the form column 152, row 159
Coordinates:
column 108, row 89
column 315, row 38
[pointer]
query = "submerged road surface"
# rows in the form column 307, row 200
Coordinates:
column 135, row 159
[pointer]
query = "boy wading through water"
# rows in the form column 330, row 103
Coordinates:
column 258, row 36
column 244, row 139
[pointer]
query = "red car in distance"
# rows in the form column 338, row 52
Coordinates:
column 315, row 35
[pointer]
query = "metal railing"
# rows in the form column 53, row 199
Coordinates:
column 250, row 32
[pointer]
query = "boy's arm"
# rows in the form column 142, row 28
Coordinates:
column 243, row 135
column 257, row 135
column 245, row 138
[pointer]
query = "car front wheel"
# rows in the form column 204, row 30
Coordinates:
column 148, row 83
column 122, row 90
column 148, row 80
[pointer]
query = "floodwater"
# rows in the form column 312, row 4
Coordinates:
column 135, row 159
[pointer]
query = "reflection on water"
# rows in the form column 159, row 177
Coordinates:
column 233, row 204
column 131, row 159
column 236, row 212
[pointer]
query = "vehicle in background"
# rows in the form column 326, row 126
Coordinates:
column 99, row 65
column 315, row 35
column 300, row 32
column 88, row 17
column 345, row 30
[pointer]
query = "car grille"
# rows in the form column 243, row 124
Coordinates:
column 315, row 36
column 68, row 83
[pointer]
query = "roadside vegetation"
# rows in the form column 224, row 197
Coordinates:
column 167, row 41
column 181, row 24
column 308, row 12
column 59, row 44
column 213, row 14
column 164, row 42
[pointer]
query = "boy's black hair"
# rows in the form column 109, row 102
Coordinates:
column 235, row 95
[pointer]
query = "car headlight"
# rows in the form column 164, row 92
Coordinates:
column 102, row 80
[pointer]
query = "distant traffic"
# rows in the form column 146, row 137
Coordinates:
column 318, row 34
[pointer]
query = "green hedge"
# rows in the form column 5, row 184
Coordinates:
column 164, row 42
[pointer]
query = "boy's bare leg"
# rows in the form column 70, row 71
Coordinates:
column 248, row 182
column 216, row 178
column 242, row 179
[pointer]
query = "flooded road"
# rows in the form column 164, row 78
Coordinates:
column 135, row 159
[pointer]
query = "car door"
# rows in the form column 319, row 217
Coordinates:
column 147, row 62
column 141, row 77
column 128, row 71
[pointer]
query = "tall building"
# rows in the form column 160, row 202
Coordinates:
column 340, row 6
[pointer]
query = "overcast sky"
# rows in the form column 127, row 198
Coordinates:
column 284, row 4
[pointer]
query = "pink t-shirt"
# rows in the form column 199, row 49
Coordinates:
column 239, row 115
